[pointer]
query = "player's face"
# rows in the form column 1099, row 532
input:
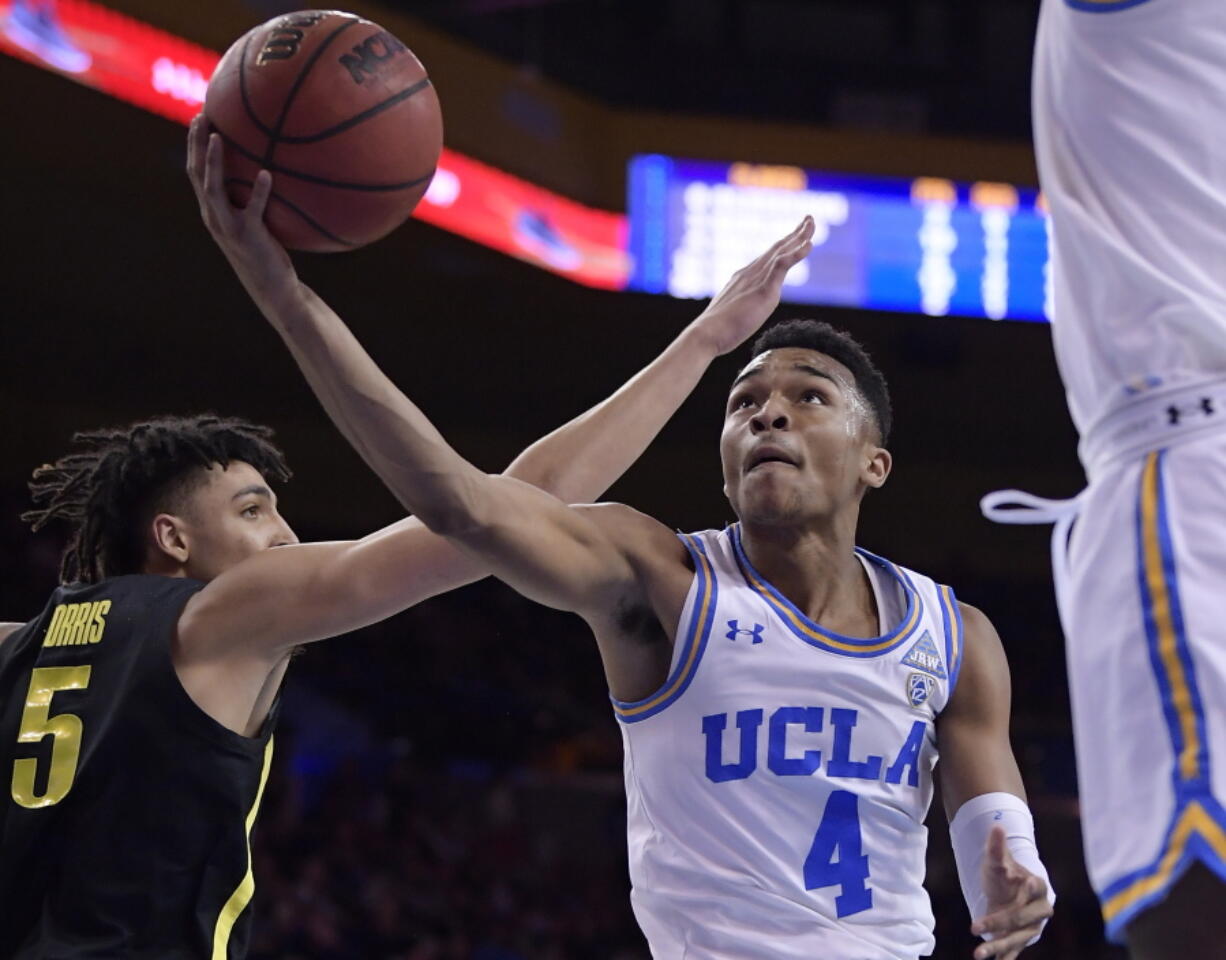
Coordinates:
column 799, row 440
column 229, row 517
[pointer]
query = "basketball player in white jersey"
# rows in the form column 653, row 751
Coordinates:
column 784, row 695
column 1129, row 114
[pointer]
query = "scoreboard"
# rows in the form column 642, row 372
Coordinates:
column 926, row 245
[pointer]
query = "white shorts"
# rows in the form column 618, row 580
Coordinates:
column 1143, row 603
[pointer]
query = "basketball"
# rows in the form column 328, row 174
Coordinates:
column 341, row 113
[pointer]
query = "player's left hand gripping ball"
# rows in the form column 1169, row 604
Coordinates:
column 1017, row 903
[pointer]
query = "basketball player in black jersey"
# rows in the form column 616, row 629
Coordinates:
column 136, row 711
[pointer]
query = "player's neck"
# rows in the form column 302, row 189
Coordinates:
column 818, row 571
column 159, row 565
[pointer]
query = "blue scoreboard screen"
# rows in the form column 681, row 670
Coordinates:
column 927, row 245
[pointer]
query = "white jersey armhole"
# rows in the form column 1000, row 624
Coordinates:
column 693, row 629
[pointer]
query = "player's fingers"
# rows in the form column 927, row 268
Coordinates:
column 799, row 234
column 764, row 265
column 1037, row 907
column 801, row 247
column 214, row 171
column 1036, row 890
column 1022, row 913
column 782, row 263
column 1008, row 945
column 197, row 151
column 193, row 147
column 259, row 195
column 996, row 856
column 997, row 848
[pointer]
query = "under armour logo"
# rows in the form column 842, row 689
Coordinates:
column 1174, row 413
column 734, row 629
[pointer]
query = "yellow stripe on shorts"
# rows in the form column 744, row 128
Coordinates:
column 246, row 889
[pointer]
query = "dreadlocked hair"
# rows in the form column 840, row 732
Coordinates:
column 118, row 478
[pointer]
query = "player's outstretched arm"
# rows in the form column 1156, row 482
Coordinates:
column 354, row 584
column 1003, row 880
column 577, row 462
column 341, row 586
column 9, row 628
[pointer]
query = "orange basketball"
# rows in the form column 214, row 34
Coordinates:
column 343, row 116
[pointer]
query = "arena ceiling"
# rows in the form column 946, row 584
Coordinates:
column 936, row 66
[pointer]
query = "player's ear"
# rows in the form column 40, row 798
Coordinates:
column 877, row 465
column 170, row 537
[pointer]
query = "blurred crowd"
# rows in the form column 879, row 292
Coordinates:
column 447, row 784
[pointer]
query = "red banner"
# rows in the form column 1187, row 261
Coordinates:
column 166, row 75
column 527, row 221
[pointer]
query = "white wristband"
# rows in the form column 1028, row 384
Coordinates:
column 969, row 830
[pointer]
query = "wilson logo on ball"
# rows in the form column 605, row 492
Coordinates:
column 340, row 112
column 284, row 41
column 368, row 56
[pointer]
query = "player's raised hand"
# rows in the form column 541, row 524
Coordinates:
column 753, row 292
column 260, row 261
column 1017, row 902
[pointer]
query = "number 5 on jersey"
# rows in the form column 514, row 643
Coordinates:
column 36, row 723
column 837, row 857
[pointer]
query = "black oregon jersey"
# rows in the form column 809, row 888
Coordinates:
column 126, row 814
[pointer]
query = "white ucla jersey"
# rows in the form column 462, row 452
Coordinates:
column 1129, row 109
column 777, row 783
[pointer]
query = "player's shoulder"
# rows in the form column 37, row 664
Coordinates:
column 149, row 592
column 976, row 625
column 638, row 534
column 8, row 629
column 620, row 517
column 983, row 650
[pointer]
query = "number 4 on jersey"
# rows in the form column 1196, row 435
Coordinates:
column 836, row 858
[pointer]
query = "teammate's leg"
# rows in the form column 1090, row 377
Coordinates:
column 1185, row 924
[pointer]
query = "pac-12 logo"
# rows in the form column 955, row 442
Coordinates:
column 735, row 629
column 919, row 688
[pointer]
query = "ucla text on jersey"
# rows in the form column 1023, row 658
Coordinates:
column 780, row 777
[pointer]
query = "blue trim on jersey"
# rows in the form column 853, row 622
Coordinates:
column 695, row 641
column 955, row 636
column 955, row 639
column 1159, row 589
column 1197, row 830
column 1155, row 657
column 1181, row 637
column 817, row 636
column 1196, row 833
column 1103, row 6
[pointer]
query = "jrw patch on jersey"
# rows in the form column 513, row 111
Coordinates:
column 924, row 655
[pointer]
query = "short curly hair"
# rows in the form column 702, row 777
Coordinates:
column 118, row 478
column 838, row 345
